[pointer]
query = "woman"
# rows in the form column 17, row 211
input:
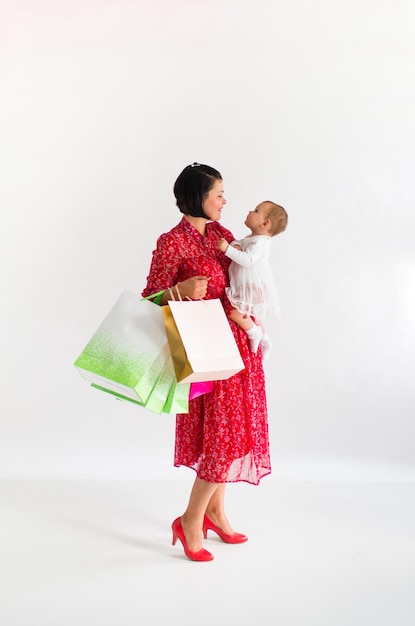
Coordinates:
column 224, row 437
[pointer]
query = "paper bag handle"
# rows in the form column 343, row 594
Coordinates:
column 171, row 292
column 176, row 287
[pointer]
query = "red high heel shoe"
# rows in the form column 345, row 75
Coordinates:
column 199, row 555
column 235, row 538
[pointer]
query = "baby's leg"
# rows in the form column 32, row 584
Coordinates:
column 243, row 320
column 247, row 324
column 265, row 341
column 266, row 345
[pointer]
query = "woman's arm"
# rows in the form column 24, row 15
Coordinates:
column 164, row 267
column 164, row 271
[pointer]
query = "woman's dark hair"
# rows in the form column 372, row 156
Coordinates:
column 192, row 186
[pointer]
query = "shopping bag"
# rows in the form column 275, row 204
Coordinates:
column 166, row 396
column 177, row 400
column 199, row 389
column 129, row 353
column 201, row 341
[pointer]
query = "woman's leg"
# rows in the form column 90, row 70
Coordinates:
column 192, row 519
column 215, row 510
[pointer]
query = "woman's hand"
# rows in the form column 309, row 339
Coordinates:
column 194, row 288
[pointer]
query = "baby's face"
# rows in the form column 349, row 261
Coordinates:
column 256, row 218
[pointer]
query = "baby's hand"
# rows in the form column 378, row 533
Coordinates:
column 222, row 244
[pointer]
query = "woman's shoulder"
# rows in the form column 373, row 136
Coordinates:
column 173, row 234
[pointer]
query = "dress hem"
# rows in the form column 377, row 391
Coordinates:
column 224, row 482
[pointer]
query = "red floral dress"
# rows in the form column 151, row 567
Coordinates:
column 224, row 437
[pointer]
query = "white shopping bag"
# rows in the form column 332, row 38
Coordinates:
column 201, row 341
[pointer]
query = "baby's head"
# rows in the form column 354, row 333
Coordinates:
column 277, row 216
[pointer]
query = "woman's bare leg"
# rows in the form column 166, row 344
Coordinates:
column 215, row 510
column 192, row 519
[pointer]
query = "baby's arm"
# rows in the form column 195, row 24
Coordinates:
column 255, row 251
column 223, row 245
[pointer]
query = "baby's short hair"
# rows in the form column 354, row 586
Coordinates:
column 278, row 217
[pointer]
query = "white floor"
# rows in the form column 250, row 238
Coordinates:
column 78, row 553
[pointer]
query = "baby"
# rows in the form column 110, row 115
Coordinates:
column 252, row 288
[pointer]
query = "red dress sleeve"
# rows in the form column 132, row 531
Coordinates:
column 164, row 265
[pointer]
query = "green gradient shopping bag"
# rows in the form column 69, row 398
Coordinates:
column 129, row 357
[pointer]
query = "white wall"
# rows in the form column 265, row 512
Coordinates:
column 310, row 104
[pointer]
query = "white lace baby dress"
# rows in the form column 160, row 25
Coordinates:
column 252, row 288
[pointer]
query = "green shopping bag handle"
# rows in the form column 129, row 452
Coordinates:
column 157, row 296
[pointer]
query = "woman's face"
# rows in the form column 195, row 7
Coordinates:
column 214, row 201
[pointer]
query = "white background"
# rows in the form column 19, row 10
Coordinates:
column 309, row 104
